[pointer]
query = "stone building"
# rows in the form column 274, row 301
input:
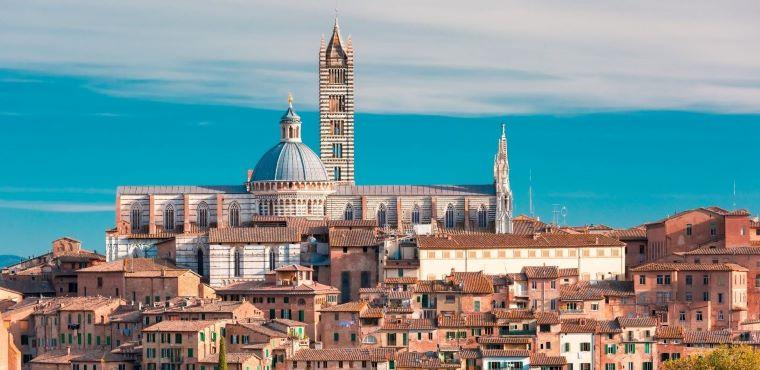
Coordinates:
column 191, row 224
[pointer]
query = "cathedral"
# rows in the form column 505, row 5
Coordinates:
column 228, row 233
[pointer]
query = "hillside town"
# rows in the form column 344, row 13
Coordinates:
column 298, row 267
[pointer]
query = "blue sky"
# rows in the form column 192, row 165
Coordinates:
column 623, row 114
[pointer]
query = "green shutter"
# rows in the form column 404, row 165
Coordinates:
column 108, row 340
column 89, row 339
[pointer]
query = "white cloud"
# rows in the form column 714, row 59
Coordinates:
column 451, row 57
column 58, row 207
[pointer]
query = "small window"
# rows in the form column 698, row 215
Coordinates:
column 688, row 229
column 416, row 215
column 482, row 217
column 337, row 173
column 699, row 315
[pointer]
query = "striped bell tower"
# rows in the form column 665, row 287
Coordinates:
column 336, row 107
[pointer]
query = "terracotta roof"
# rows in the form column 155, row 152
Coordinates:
column 596, row 290
column 294, row 268
column 505, row 352
column 467, row 320
column 578, row 326
column 634, row 233
column 372, row 313
column 669, row 332
column 540, row 272
column 408, row 324
column 130, row 265
column 567, row 272
column 371, row 224
column 472, row 282
column 547, row 318
column 254, row 235
column 724, row 251
column 512, row 339
column 419, row 360
column 64, row 357
column 707, row 337
column 608, row 326
column 231, row 357
column 344, row 354
column 352, row 238
column 400, row 280
column 715, row 210
column 180, row 325
column 262, row 287
column 541, row 359
column 524, row 225
column 640, row 322
column 399, row 294
column 479, row 241
column 469, row 353
column 689, row 267
column 513, row 314
column 355, row 306
column 75, row 304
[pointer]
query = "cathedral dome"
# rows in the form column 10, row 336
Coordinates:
column 290, row 161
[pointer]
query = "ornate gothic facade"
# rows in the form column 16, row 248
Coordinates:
column 216, row 230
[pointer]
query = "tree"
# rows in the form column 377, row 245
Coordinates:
column 722, row 358
column 222, row 365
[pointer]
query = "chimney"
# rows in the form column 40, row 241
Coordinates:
column 250, row 175
column 596, row 240
column 68, row 350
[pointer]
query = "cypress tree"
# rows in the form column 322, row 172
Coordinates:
column 222, row 355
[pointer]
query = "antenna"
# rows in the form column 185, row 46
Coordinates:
column 555, row 214
column 734, row 195
column 563, row 212
column 530, row 193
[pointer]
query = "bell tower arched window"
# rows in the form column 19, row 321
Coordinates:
column 234, row 216
column 482, row 217
column 449, row 219
column 135, row 214
column 202, row 215
column 382, row 215
column 416, row 215
column 348, row 213
column 169, row 217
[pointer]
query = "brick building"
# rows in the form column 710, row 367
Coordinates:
column 287, row 293
column 139, row 280
column 695, row 296
column 354, row 260
column 177, row 344
column 695, row 228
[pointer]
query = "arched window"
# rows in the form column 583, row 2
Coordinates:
column 382, row 215
column 449, row 221
column 482, row 217
column 202, row 215
column 416, row 215
column 135, row 214
column 234, row 214
column 290, row 132
column 238, row 263
column 348, row 214
column 169, row 217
